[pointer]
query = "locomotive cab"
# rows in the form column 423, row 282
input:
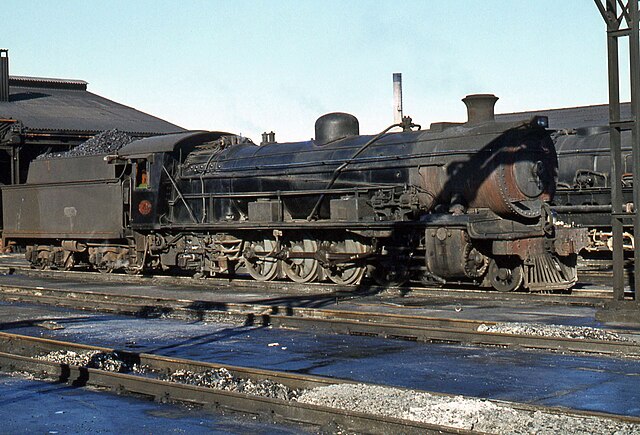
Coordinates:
column 153, row 161
column 146, row 179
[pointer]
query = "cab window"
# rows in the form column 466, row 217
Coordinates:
column 142, row 174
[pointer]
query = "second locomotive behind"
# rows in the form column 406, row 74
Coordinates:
column 456, row 203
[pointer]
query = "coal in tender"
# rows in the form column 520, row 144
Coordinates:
column 107, row 142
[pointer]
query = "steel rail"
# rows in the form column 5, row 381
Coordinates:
column 578, row 297
column 17, row 353
column 366, row 323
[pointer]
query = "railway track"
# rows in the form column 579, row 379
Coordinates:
column 578, row 297
column 338, row 321
column 18, row 353
column 153, row 379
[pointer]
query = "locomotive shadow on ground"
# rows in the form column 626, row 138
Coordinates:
column 62, row 321
column 199, row 340
column 281, row 305
column 38, row 388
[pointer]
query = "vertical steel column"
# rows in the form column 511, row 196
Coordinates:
column 4, row 75
column 634, row 66
column 12, row 156
column 16, row 164
column 629, row 14
column 616, row 153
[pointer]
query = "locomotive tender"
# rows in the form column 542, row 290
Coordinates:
column 455, row 203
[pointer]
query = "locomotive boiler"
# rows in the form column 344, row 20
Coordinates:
column 455, row 203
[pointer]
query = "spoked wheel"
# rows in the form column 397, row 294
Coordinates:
column 258, row 260
column 505, row 277
column 301, row 269
column 346, row 273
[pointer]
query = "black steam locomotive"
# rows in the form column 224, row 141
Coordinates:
column 583, row 193
column 456, row 203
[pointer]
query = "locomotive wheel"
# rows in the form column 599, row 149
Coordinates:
column 301, row 269
column 104, row 268
column 346, row 273
column 505, row 278
column 133, row 270
column 389, row 275
column 257, row 261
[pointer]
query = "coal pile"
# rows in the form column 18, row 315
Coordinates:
column 559, row 331
column 94, row 359
column 222, row 379
column 460, row 412
column 107, row 142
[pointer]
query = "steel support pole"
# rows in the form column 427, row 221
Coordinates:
column 615, row 143
column 634, row 66
column 16, row 163
column 614, row 17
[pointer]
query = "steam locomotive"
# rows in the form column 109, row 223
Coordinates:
column 583, row 194
column 455, row 203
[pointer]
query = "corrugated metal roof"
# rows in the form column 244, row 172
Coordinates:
column 47, row 82
column 571, row 117
column 51, row 107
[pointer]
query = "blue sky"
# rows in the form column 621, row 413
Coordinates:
column 254, row 66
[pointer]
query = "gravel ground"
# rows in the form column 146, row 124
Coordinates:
column 562, row 331
column 106, row 142
column 457, row 411
column 219, row 379
column 93, row 359
column 222, row 379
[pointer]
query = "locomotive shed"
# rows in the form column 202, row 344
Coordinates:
column 583, row 381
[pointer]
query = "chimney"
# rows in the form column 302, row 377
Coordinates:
column 4, row 75
column 480, row 108
column 397, row 98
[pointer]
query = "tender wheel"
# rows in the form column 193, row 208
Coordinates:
column 133, row 270
column 505, row 278
column 104, row 268
column 345, row 273
column 389, row 275
column 257, row 260
column 301, row 269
